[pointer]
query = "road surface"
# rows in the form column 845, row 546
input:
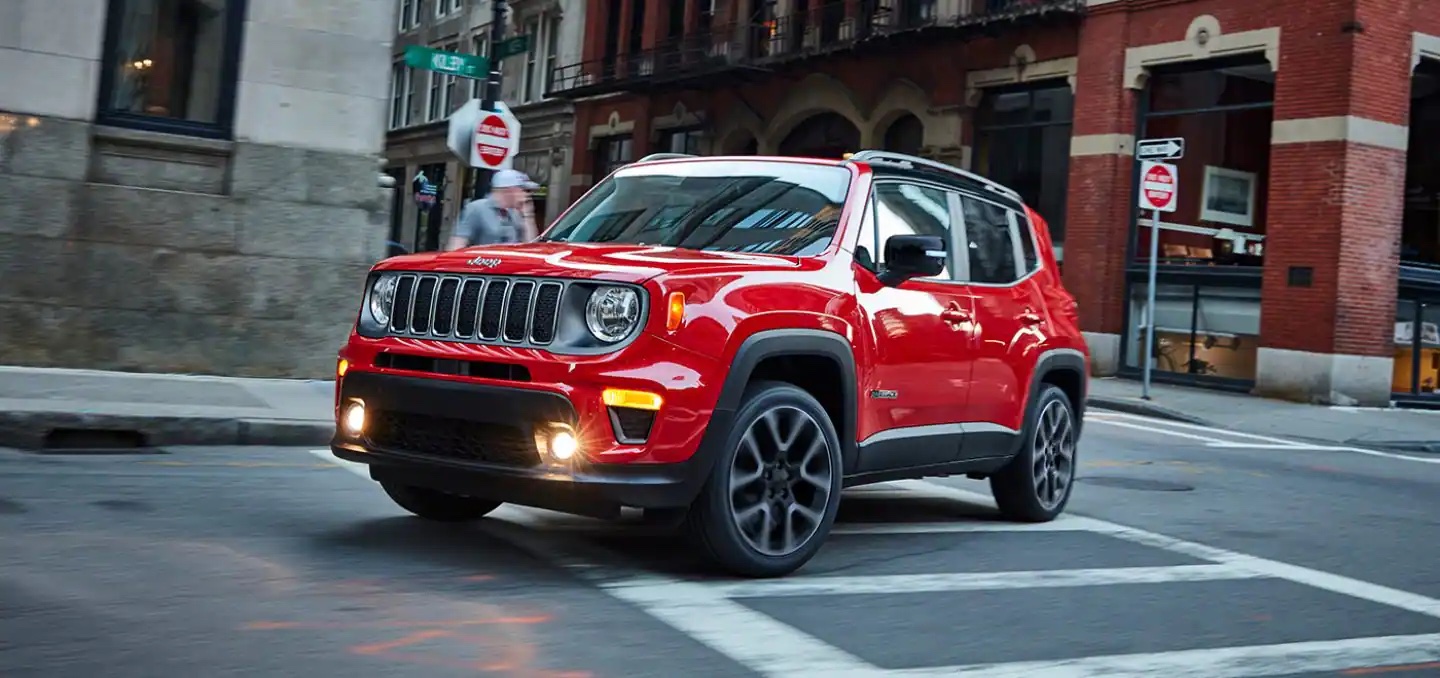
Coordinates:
column 1186, row 553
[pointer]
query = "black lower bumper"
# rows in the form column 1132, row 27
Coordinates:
column 478, row 440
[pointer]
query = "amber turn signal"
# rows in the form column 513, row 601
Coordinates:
column 342, row 367
column 676, row 311
column 639, row 400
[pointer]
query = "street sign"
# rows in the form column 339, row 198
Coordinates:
column 449, row 63
column 493, row 141
column 515, row 46
column 1160, row 149
column 1158, row 183
column 463, row 136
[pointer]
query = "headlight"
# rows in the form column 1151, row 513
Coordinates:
column 612, row 313
column 382, row 298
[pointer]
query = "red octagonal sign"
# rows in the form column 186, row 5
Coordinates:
column 492, row 140
column 1157, row 187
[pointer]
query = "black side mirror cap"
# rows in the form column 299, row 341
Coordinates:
column 913, row 256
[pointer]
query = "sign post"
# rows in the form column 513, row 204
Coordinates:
column 1158, row 185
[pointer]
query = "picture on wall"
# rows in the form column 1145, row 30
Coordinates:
column 1229, row 197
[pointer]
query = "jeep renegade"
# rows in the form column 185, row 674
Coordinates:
column 726, row 342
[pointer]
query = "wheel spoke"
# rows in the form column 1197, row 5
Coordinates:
column 1052, row 454
column 780, row 481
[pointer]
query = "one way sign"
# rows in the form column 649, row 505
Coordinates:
column 1160, row 149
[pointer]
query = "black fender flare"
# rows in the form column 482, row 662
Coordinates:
column 769, row 344
column 1062, row 360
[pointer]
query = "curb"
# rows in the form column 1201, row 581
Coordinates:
column 1144, row 409
column 40, row 431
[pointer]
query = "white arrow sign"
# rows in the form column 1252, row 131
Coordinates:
column 1160, row 149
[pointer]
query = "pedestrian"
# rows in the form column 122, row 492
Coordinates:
column 505, row 215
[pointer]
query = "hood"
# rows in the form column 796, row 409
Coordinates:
column 619, row 263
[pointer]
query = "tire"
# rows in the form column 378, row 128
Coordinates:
column 1017, row 487
column 439, row 506
column 809, row 477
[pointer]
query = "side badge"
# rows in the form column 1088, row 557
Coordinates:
column 888, row 395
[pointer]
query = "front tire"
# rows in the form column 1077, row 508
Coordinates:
column 772, row 496
column 1036, row 485
column 439, row 506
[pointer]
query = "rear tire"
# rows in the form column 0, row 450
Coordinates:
column 1036, row 485
column 773, row 494
column 439, row 506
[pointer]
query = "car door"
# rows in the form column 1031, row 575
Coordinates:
column 1010, row 324
column 920, row 334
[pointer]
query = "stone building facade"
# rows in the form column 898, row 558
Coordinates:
column 421, row 103
column 189, row 186
column 1304, row 259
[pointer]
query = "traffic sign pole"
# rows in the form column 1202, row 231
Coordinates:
column 492, row 86
column 1159, row 186
column 1150, row 303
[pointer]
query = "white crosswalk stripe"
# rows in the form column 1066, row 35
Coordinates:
column 712, row 613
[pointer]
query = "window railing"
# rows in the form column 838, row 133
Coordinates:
column 760, row 46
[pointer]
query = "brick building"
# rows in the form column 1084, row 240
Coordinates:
column 1313, row 159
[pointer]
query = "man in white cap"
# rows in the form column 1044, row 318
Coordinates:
column 505, row 215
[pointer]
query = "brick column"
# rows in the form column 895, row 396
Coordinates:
column 1337, row 170
column 627, row 9
column 1098, row 214
column 657, row 17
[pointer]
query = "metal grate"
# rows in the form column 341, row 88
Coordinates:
column 477, row 308
column 449, row 438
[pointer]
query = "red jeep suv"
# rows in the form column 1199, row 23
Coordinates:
column 726, row 342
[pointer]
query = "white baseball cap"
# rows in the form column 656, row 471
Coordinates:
column 510, row 178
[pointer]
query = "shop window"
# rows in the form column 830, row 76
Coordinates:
column 609, row 154
column 1420, row 239
column 171, row 65
column 1417, row 348
column 1023, row 141
column 1199, row 330
column 1224, row 115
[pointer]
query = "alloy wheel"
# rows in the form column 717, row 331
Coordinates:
column 781, row 481
column 1053, row 455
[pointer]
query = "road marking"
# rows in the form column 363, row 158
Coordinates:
column 977, row 581
column 1168, row 428
column 1230, row 662
column 710, row 613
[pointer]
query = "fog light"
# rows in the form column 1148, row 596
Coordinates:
column 353, row 420
column 563, row 445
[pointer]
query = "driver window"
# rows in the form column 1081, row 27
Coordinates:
column 905, row 209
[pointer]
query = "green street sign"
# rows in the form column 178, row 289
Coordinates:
column 449, row 63
column 515, row 46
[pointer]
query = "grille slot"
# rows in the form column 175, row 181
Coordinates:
column 493, row 308
column 404, row 294
column 517, row 310
column 424, row 305
column 455, row 439
column 547, row 307
column 445, row 305
column 467, row 317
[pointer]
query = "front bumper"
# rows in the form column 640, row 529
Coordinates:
column 479, row 439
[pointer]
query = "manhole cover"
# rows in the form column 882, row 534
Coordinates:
column 1142, row 484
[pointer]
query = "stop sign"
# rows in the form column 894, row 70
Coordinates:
column 493, row 140
column 1158, row 183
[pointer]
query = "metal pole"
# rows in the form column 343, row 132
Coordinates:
column 1150, row 302
column 491, row 91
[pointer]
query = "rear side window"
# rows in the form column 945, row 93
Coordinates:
column 1026, row 230
column 990, row 241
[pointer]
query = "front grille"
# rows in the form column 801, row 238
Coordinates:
column 514, row 311
column 455, row 439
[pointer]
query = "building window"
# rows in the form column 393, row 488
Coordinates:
column 531, row 83
column 479, row 46
column 419, row 12
column 407, row 15
column 457, row 5
column 1023, row 141
column 683, row 140
column 1200, row 330
column 1420, row 235
column 448, row 102
column 171, row 66
column 552, row 54
column 609, row 154
column 399, row 95
column 1224, row 114
column 433, row 96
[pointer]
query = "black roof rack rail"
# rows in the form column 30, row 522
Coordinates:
column 665, row 156
column 905, row 160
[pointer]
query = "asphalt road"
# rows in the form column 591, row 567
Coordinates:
column 1187, row 553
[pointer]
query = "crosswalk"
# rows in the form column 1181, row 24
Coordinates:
column 717, row 613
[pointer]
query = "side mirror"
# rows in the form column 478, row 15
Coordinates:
column 912, row 256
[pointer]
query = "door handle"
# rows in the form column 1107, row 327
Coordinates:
column 1030, row 317
column 954, row 316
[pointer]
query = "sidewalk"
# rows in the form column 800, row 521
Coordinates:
column 42, row 408
column 53, row 408
column 1387, row 429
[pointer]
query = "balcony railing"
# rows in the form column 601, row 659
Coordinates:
column 746, row 49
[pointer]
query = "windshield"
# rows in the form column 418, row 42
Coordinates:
column 731, row 206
